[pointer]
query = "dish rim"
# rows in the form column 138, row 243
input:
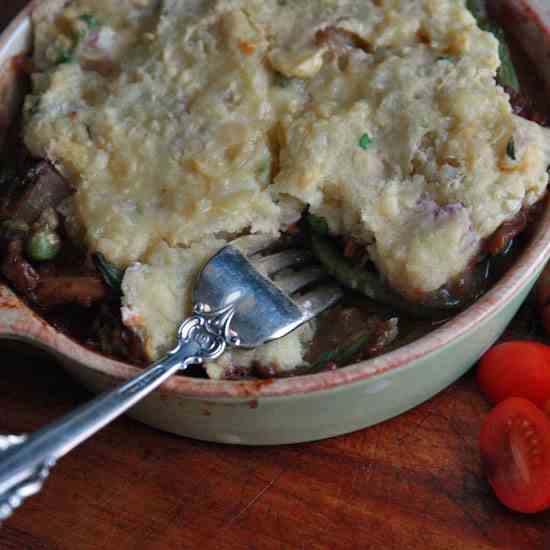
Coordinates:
column 32, row 328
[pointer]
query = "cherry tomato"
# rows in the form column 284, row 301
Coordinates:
column 515, row 448
column 516, row 369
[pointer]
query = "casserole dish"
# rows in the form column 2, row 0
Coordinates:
column 286, row 410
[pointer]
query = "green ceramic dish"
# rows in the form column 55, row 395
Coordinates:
column 289, row 410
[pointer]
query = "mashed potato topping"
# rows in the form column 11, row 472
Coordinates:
column 184, row 122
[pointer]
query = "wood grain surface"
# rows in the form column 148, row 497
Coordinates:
column 414, row 482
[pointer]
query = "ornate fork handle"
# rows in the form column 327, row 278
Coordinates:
column 30, row 484
column 25, row 462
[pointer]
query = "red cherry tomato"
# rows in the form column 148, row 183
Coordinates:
column 516, row 369
column 515, row 448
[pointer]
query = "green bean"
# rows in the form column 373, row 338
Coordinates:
column 14, row 226
column 478, row 9
column 111, row 274
column 343, row 270
column 43, row 246
column 342, row 355
column 318, row 224
column 507, row 75
column 437, row 304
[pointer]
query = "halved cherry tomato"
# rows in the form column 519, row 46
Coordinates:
column 516, row 369
column 515, row 448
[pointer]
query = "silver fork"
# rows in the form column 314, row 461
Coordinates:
column 241, row 299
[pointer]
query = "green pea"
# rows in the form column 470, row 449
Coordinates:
column 43, row 246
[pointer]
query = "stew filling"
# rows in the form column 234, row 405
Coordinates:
column 97, row 281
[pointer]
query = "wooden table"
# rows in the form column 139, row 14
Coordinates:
column 413, row 482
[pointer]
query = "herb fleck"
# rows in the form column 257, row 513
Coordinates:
column 365, row 142
column 34, row 105
column 511, row 149
column 66, row 56
column 90, row 20
column 264, row 168
column 282, row 81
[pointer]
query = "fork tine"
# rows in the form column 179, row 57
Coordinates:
column 291, row 282
column 252, row 244
column 281, row 260
column 318, row 300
